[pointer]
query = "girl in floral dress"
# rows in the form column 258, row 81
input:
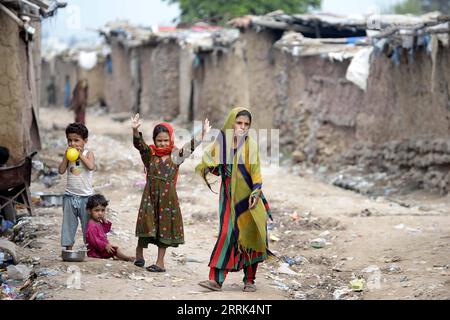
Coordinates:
column 159, row 220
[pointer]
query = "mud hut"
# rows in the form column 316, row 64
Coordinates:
column 334, row 89
column 155, row 71
column 21, row 73
column 124, row 83
column 62, row 70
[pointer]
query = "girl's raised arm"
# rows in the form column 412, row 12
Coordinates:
column 138, row 140
column 190, row 146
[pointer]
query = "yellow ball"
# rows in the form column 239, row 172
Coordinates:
column 72, row 154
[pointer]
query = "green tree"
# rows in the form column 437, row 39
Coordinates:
column 409, row 6
column 422, row 6
column 220, row 11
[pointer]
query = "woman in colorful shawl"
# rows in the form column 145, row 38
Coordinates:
column 243, row 210
column 80, row 101
column 159, row 220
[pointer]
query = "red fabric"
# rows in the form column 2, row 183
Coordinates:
column 215, row 258
column 79, row 101
column 161, row 152
column 97, row 241
column 250, row 273
column 80, row 117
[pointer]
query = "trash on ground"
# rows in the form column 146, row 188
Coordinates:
column 19, row 272
column 357, row 284
column 318, row 243
column 284, row 269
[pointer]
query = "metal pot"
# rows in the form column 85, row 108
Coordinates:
column 50, row 200
column 73, row 255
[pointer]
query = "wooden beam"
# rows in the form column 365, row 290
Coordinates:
column 11, row 15
column 41, row 3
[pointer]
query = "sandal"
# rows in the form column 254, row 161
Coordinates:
column 139, row 263
column 211, row 285
column 155, row 268
column 249, row 287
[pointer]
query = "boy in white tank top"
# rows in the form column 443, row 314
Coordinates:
column 79, row 184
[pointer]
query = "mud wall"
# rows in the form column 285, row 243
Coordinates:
column 45, row 82
column 260, row 70
column 321, row 114
column 409, row 100
column 242, row 75
column 96, row 81
column 121, row 86
column 18, row 126
column 316, row 106
column 160, row 85
column 220, row 82
column 64, row 67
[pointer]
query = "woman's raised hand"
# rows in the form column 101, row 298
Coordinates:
column 135, row 122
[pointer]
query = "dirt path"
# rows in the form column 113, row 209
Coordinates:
column 408, row 244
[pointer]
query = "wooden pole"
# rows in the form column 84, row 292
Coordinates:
column 12, row 15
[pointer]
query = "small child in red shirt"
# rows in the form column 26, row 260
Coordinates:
column 96, row 230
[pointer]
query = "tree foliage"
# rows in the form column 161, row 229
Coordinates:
column 422, row 6
column 220, row 11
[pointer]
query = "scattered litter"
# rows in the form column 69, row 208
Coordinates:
column 159, row 285
column 370, row 269
column 289, row 260
column 40, row 296
column 324, row 234
column 280, row 285
column 47, row 272
column 300, row 260
column 394, row 268
column 413, row 230
column 393, row 259
column 338, row 267
column 295, row 216
column 284, row 269
column 365, row 213
column 19, row 272
column 179, row 257
column 408, row 229
column 341, row 292
column 300, row 296
column 5, row 259
column 357, row 284
column 274, row 237
column 306, row 214
column 8, row 293
column 318, row 243
column 441, row 267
